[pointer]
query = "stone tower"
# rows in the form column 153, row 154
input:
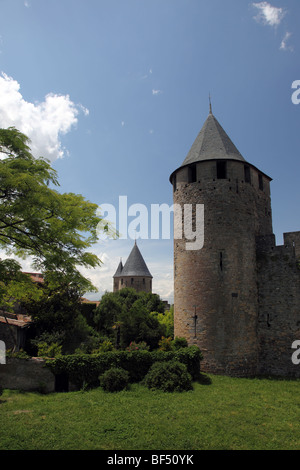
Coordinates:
column 215, row 288
column 133, row 274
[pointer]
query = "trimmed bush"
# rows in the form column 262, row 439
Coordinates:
column 85, row 369
column 169, row 376
column 114, row 380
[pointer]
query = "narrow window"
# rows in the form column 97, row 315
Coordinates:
column 143, row 280
column 121, row 282
column 174, row 183
column 131, row 280
column 192, row 174
column 221, row 170
column 221, row 260
column 260, row 182
column 247, row 174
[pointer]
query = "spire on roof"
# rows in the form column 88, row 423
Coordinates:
column 210, row 108
column 119, row 269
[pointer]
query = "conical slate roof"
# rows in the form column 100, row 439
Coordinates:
column 135, row 265
column 118, row 272
column 212, row 143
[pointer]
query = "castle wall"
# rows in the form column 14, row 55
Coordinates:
column 279, row 304
column 27, row 375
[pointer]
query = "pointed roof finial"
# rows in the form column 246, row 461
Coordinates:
column 210, row 108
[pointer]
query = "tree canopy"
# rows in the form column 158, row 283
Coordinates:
column 55, row 229
column 127, row 316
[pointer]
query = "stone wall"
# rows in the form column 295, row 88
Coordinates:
column 26, row 375
column 279, row 304
column 139, row 283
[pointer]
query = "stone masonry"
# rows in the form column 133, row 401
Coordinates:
column 237, row 298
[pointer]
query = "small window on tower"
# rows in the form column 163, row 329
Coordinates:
column 221, row 260
column 221, row 170
column 247, row 174
column 192, row 174
column 260, row 182
column 174, row 183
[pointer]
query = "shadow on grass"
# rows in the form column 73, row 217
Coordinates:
column 203, row 379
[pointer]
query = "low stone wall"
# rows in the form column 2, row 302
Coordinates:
column 26, row 375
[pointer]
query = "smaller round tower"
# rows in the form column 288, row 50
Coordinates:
column 133, row 274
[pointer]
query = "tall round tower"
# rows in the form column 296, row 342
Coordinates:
column 215, row 287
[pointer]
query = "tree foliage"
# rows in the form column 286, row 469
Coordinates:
column 125, row 316
column 15, row 284
column 57, row 319
column 56, row 230
column 35, row 219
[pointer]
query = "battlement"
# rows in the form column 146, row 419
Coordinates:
column 266, row 245
column 292, row 239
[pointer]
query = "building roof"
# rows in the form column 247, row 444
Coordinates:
column 134, row 266
column 212, row 143
column 118, row 272
column 20, row 321
column 35, row 277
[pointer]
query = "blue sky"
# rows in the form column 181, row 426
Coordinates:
column 114, row 92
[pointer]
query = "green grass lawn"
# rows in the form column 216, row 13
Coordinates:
column 226, row 414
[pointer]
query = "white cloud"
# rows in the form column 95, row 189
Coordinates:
column 43, row 122
column 284, row 46
column 268, row 14
column 146, row 75
column 156, row 92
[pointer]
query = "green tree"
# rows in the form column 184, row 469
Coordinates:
column 58, row 319
column 108, row 313
column 15, row 285
column 167, row 319
column 127, row 313
column 35, row 219
column 56, row 230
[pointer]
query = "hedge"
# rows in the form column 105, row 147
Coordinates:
column 85, row 369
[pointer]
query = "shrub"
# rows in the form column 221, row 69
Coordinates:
column 141, row 346
column 178, row 343
column 86, row 368
column 114, row 380
column 105, row 346
column 49, row 350
column 165, row 344
column 21, row 354
column 171, row 376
